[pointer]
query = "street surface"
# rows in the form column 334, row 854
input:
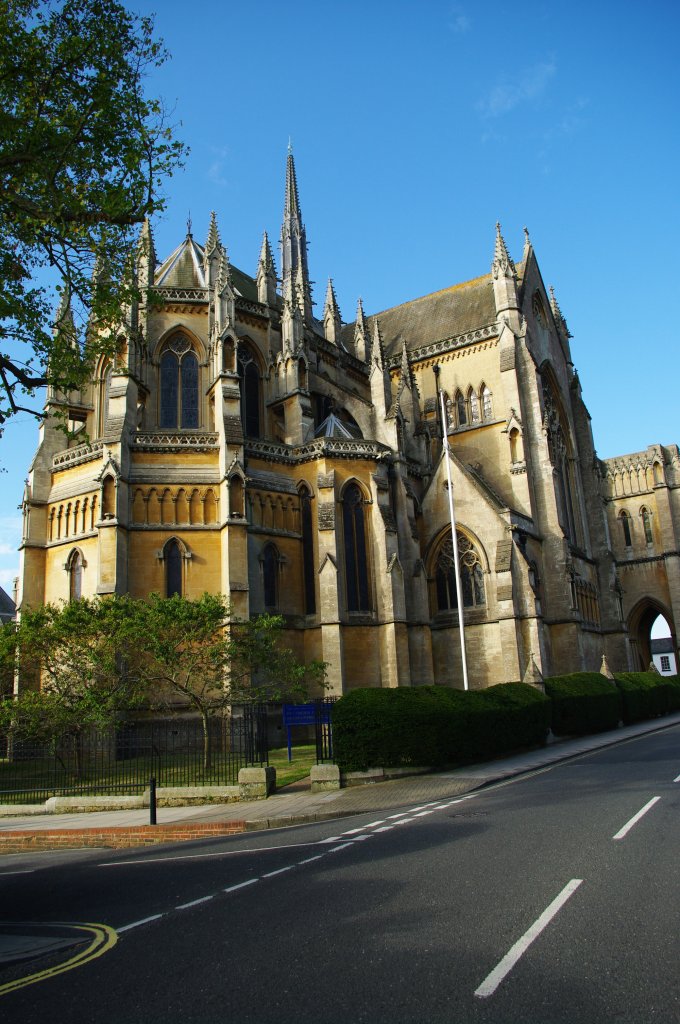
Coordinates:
column 551, row 898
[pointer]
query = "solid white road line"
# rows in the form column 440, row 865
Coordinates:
column 636, row 817
column 493, row 980
column 136, row 924
column 27, row 871
column 677, row 780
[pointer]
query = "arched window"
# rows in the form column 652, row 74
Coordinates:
column 474, row 405
column 647, row 525
column 356, row 565
column 173, row 569
column 471, row 575
column 75, row 576
column 514, row 446
column 625, row 526
column 461, row 410
column 109, row 498
column 179, row 384
column 270, row 567
column 249, row 379
column 487, row 408
column 308, row 550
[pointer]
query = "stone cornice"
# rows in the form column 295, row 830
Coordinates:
column 77, row 456
column 173, row 441
column 436, row 348
column 191, row 295
column 337, row 448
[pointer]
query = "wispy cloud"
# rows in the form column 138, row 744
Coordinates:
column 7, row 577
column 216, row 168
column 508, row 94
column 459, row 21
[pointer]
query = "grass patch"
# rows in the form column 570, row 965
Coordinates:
column 304, row 757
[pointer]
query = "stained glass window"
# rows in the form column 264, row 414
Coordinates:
column 356, row 567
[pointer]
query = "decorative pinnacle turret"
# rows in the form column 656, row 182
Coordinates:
column 502, row 263
column 266, row 260
column 557, row 312
column 405, row 367
column 331, row 303
column 213, row 240
column 223, row 271
column 527, row 244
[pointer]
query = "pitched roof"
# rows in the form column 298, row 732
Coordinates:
column 185, row 268
column 443, row 314
column 8, row 609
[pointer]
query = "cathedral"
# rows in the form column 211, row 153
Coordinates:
column 238, row 444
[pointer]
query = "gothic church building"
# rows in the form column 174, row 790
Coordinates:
column 238, row 444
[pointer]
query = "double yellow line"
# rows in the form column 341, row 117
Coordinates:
column 103, row 939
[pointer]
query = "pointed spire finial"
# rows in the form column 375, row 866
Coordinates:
column 189, row 225
column 290, row 146
column 502, row 263
column 213, row 239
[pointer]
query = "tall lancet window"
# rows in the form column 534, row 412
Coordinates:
column 249, row 378
column 471, row 575
column 356, row 563
column 179, row 385
column 307, row 530
column 173, row 569
column 75, row 576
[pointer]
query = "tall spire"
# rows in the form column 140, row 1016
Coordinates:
column 294, row 271
column 146, row 256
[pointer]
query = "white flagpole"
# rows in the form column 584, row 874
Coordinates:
column 454, row 539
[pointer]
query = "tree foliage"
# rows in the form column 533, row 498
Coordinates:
column 83, row 154
column 97, row 659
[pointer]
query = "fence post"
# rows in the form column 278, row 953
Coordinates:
column 152, row 800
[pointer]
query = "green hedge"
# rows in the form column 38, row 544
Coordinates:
column 435, row 725
column 583, row 702
column 643, row 695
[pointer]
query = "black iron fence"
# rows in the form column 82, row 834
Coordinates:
column 121, row 760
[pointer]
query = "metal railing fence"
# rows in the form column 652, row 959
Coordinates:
column 121, row 760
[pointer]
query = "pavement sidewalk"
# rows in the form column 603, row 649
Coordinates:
column 290, row 806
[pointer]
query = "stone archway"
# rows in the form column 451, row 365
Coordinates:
column 640, row 622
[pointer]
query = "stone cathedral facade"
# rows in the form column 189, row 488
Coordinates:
column 238, row 444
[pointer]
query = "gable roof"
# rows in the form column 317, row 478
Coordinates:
column 452, row 311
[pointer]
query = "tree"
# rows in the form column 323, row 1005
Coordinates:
column 72, row 658
column 99, row 658
column 83, row 153
column 194, row 652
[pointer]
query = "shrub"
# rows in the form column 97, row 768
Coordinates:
column 583, row 702
column 435, row 725
column 643, row 695
column 673, row 684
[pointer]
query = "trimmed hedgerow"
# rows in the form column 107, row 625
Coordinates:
column 435, row 725
column 583, row 702
column 643, row 695
column 673, row 683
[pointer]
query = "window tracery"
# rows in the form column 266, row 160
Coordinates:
column 471, row 575
column 355, row 550
column 178, row 385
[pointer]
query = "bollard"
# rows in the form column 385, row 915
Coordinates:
column 152, row 800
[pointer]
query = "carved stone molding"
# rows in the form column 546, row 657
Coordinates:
column 76, row 456
column 167, row 441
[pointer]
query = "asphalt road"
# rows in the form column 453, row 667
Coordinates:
column 551, row 898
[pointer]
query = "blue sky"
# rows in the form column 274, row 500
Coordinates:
column 415, row 127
